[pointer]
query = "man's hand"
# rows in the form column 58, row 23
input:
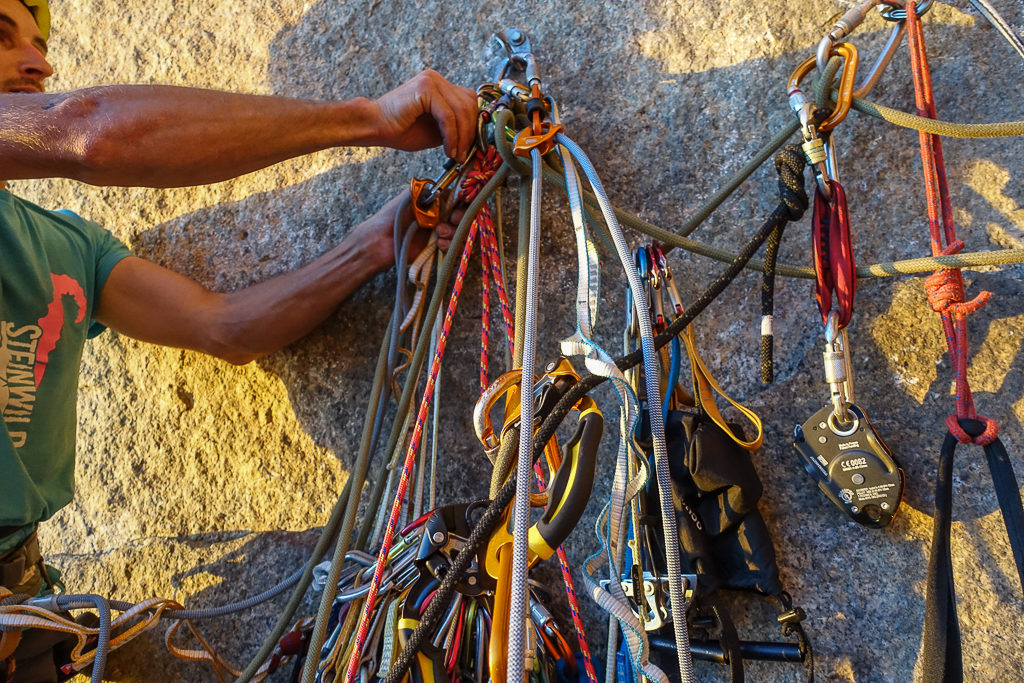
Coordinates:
column 375, row 235
column 426, row 111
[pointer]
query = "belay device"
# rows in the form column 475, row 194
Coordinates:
column 852, row 466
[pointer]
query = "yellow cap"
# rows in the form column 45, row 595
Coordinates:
column 40, row 10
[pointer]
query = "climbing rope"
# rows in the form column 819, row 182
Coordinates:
column 942, row 658
column 487, row 168
column 945, row 291
column 789, row 164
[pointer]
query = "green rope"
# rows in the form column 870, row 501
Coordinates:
column 329, row 531
column 675, row 239
column 359, row 477
column 505, row 459
column 679, row 239
column 1003, row 129
column 419, row 354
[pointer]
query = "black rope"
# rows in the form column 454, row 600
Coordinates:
column 789, row 163
column 792, row 619
column 771, row 256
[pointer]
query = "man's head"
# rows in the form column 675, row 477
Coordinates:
column 23, row 28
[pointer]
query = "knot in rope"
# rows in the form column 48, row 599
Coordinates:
column 790, row 163
column 946, row 289
column 485, row 165
column 990, row 433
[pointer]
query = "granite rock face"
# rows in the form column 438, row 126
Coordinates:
column 205, row 483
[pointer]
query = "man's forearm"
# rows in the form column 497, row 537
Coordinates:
column 164, row 136
column 267, row 316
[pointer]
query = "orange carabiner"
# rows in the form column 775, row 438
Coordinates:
column 847, row 82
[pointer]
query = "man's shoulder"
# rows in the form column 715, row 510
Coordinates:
column 18, row 210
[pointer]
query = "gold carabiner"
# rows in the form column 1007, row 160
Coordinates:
column 847, row 83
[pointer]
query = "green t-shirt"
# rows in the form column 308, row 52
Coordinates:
column 53, row 266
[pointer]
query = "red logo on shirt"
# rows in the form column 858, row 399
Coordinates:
column 53, row 321
column 25, row 352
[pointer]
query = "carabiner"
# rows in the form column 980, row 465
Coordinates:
column 884, row 57
column 642, row 267
column 897, row 11
column 657, row 282
column 847, row 82
column 426, row 194
column 849, row 21
column 518, row 55
column 834, row 264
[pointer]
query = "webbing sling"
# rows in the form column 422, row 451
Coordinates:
column 942, row 659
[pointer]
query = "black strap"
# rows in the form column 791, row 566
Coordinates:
column 730, row 641
column 942, row 657
column 1008, row 494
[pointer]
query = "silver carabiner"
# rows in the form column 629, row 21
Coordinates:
column 518, row 56
column 890, row 12
column 846, row 24
column 884, row 57
column 838, row 368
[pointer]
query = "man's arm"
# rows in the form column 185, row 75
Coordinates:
column 149, row 302
column 164, row 136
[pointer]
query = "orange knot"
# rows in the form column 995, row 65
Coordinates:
column 985, row 438
column 946, row 289
column 486, row 164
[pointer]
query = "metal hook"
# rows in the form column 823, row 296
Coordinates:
column 893, row 11
column 844, row 27
column 518, row 55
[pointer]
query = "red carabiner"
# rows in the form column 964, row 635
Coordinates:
column 834, row 264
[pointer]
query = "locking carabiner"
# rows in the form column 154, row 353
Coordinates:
column 519, row 58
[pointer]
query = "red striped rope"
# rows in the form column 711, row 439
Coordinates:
column 417, row 434
column 945, row 287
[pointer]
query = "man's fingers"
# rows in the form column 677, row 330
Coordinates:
column 447, row 123
column 455, row 111
column 466, row 114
